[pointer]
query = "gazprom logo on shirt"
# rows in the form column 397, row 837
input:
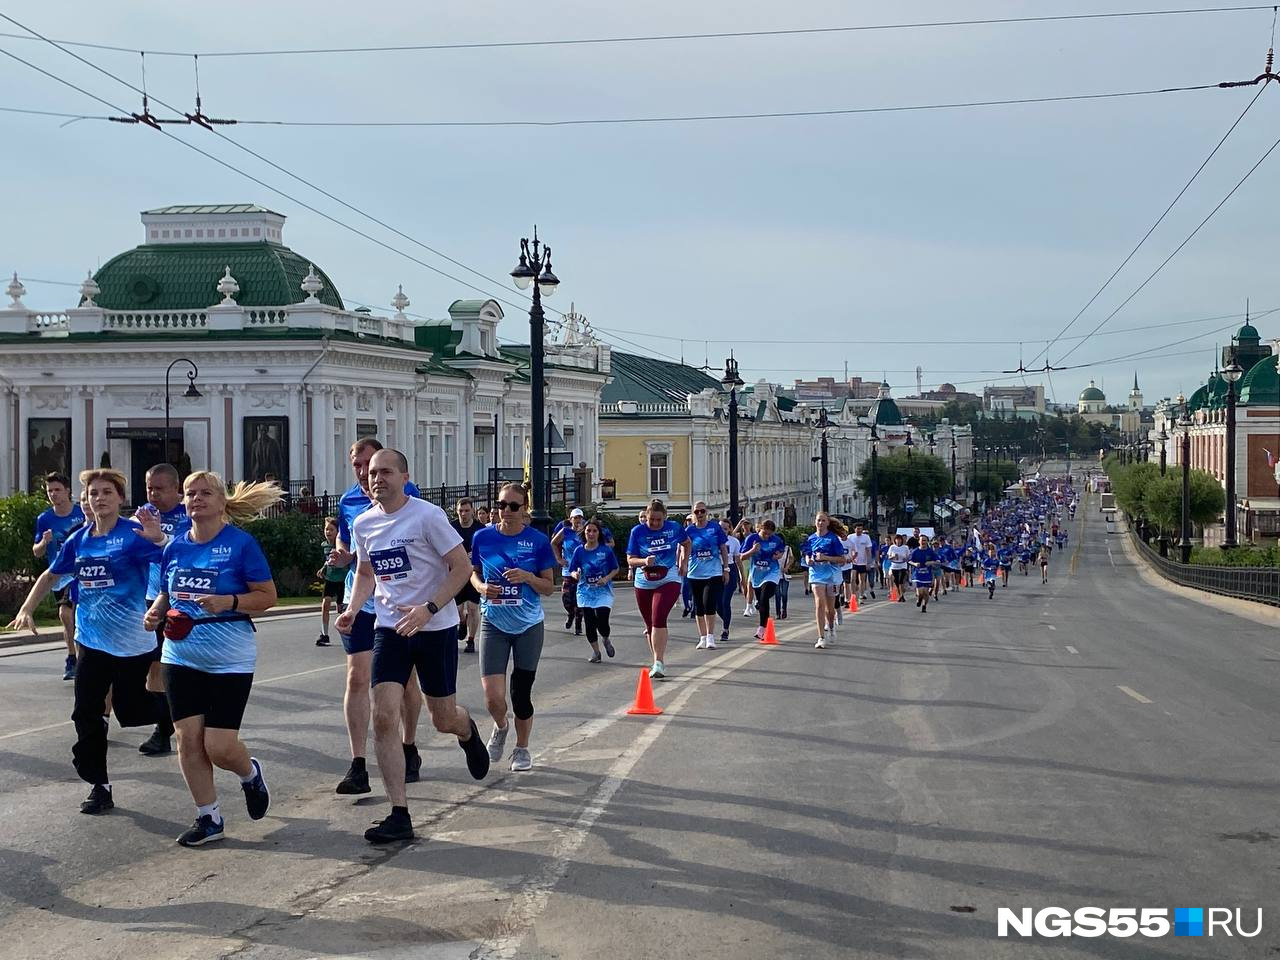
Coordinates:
column 402, row 541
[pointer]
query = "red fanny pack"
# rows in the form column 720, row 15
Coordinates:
column 654, row 573
column 178, row 624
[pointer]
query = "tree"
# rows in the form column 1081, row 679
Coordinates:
column 920, row 477
column 1162, row 500
column 1130, row 485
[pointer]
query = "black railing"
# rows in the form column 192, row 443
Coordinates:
column 1260, row 584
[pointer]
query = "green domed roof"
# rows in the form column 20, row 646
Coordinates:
column 1261, row 385
column 1248, row 332
column 1198, row 399
column 1092, row 393
column 184, row 276
column 884, row 412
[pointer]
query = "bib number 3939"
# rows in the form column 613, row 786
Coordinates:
column 391, row 564
column 189, row 583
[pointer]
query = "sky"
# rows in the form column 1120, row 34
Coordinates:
column 952, row 240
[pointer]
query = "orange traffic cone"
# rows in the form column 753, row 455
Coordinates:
column 853, row 603
column 770, row 638
column 644, row 705
column 893, row 594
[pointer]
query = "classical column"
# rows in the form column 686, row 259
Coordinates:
column 20, row 439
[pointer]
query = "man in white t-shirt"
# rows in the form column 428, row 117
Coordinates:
column 862, row 548
column 899, row 554
column 413, row 563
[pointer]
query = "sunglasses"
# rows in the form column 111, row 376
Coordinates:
column 699, row 512
column 509, row 505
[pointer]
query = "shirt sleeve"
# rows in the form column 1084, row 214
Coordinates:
column 840, row 549
column 575, row 562
column 544, row 557
column 41, row 526
column 65, row 561
column 253, row 562
column 612, row 562
column 344, row 527
column 633, row 543
column 476, row 559
column 143, row 548
column 439, row 532
column 357, row 543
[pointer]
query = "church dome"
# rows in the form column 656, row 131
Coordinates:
column 1248, row 333
column 1261, row 385
column 1092, row 394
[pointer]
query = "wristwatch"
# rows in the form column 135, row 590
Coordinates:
column 431, row 606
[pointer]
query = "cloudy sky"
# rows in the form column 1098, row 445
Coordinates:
column 937, row 238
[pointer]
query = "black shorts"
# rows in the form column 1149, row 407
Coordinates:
column 360, row 639
column 219, row 697
column 335, row 589
column 63, row 597
column 433, row 652
column 847, row 575
column 467, row 594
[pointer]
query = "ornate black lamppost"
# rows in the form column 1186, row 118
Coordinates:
column 191, row 392
column 1231, row 374
column 732, row 381
column 1184, row 545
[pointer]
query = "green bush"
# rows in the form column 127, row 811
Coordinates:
column 17, row 531
column 1239, row 557
column 291, row 542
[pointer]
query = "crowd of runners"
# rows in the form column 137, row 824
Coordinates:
column 157, row 608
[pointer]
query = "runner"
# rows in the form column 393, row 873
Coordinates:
column 468, row 601
column 411, row 561
column 111, row 559
column 735, row 579
column 823, row 550
column 593, row 567
column 1044, row 563
column 1024, row 556
column 334, row 579
column 357, row 638
column 923, row 559
column 53, row 526
column 990, row 570
column 883, row 566
column 564, row 544
column 744, row 533
column 899, row 560
column 704, row 560
column 784, row 586
column 164, row 497
column 512, row 569
column 653, row 554
column 213, row 576
column 1005, row 555
column 862, row 550
column 482, row 515
column 765, row 555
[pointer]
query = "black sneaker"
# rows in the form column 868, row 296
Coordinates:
column 322, row 640
column 69, row 668
column 156, row 745
column 257, row 799
column 394, row 828
column 98, row 801
column 203, row 831
column 412, row 763
column 577, row 627
column 477, row 754
column 356, row 781
column 568, row 622
column 470, row 647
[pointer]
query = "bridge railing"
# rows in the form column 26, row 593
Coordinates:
column 1260, row 584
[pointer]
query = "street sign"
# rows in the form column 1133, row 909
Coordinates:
column 910, row 505
column 562, row 459
column 506, row 474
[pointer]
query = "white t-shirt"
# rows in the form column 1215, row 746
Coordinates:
column 735, row 548
column 850, row 552
column 406, row 549
column 899, row 554
column 861, row 547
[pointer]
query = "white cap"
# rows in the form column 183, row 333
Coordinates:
column 576, row 512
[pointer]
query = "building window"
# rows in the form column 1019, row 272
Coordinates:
column 187, row 233
column 659, row 472
column 257, row 231
column 235, row 231
column 165, row 234
column 222, row 231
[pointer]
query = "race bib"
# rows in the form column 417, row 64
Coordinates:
column 511, row 595
column 390, row 564
column 702, row 554
column 762, row 564
column 189, row 583
column 95, row 573
column 595, row 581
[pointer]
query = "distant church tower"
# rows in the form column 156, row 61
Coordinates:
column 1135, row 396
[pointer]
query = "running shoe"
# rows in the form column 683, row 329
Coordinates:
column 724, row 636
column 759, row 633
column 702, row 644
column 684, row 614
column 711, row 643
column 394, row 828
column 155, row 745
column 873, row 594
column 820, row 644
column 69, row 668
column 412, row 763
column 577, row 627
column 470, row 647
column 656, row 672
column 608, row 647
column 568, row 623
column 203, row 831
column 749, row 610
column 356, row 781
column 498, row 742
column 477, row 755
column 257, row 799
column 98, row 801
column 839, row 615
column 520, row 759
column 595, row 657
column 321, row 641
column 782, row 615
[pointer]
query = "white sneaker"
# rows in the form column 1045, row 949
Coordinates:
column 821, row 644
column 750, row 609
column 702, row 644
column 711, row 643
column 520, row 759
column 839, row 615
column 498, row 742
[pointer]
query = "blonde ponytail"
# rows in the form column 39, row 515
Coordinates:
column 246, row 501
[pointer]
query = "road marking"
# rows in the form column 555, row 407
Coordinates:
column 1051, row 626
column 1071, row 649
column 1129, row 691
column 23, row 733
column 301, row 673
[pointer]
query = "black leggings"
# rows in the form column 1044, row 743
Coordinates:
column 706, row 595
column 764, row 593
column 126, row 678
column 569, row 597
column 596, row 620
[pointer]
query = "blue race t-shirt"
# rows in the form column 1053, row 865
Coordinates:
column 570, row 541
column 661, row 544
column 765, row 562
column 829, row 545
column 704, row 551
column 174, row 523
column 111, row 571
column 592, row 566
column 353, row 503
column 493, row 553
column 990, row 564
column 227, row 564
column 61, row 528
column 921, row 557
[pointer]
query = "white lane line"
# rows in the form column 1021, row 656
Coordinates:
column 1051, row 626
column 1129, row 691
column 301, row 673
column 23, row 733
column 536, row 892
column 1071, row 649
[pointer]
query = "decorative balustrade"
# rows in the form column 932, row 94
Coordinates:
column 146, row 321
column 47, row 324
column 277, row 317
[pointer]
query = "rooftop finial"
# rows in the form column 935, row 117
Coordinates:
column 16, row 291
column 89, row 289
column 228, row 287
column 400, row 301
column 311, row 285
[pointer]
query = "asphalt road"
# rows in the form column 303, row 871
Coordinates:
column 1094, row 742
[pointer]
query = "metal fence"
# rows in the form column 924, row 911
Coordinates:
column 1260, row 584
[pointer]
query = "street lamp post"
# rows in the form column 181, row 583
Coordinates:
column 875, row 482
column 1163, row 437
column 1231, row 374
column 1184, row 545
column 953, row 465
column 973, row 474
column 733, row 382
column 534, row 270
column 191, row 391
column 932, row 447
column 822, row 425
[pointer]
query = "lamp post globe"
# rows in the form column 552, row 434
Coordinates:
column 731, row 381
